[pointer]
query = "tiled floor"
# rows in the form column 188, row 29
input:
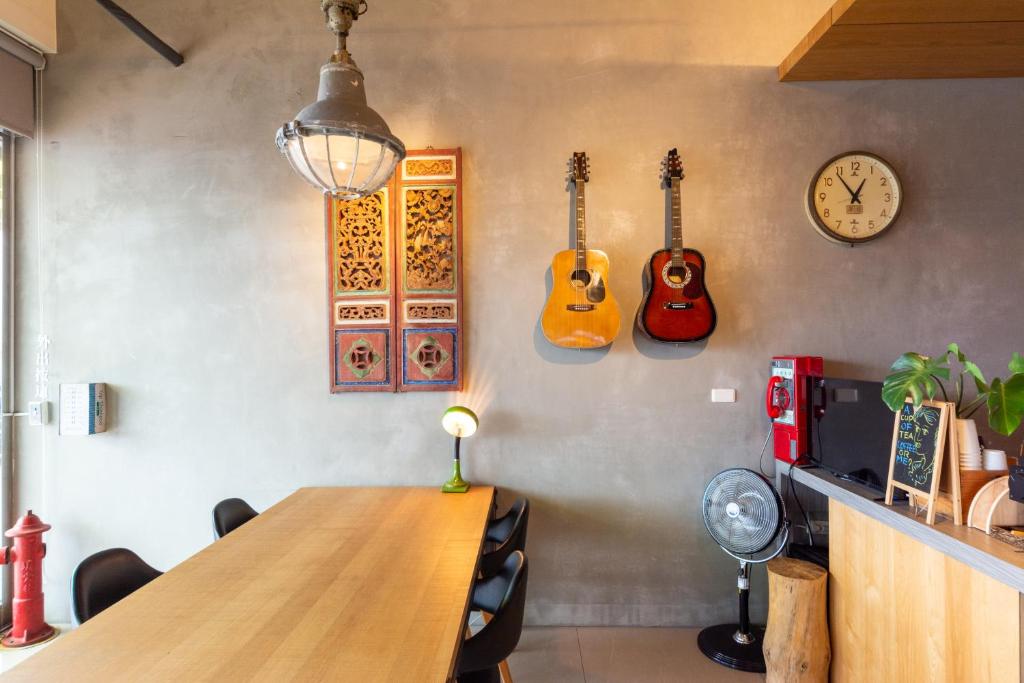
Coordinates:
column 616, row 655
column 10, row 657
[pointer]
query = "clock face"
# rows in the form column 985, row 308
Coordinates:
column 854, row 198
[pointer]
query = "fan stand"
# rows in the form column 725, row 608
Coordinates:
column 737, row 646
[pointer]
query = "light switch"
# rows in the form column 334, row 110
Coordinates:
column 723, row 395
column 38, row 413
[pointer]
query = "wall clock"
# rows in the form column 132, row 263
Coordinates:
column 854, row 197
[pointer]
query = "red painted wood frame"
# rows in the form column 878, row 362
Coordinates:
column 395, row 264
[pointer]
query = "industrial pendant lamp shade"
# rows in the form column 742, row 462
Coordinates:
column 338, row 143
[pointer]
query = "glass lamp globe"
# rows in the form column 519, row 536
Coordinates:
column 339, row 144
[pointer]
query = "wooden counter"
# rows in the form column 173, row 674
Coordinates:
column 973, row 547
column 911, row 602
column 355, row 584
column 902, row 611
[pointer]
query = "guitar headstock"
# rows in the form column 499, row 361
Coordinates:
column 579, row 168
column 671, row 167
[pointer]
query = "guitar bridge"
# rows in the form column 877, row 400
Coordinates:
column 678, row 307
column 580, row 308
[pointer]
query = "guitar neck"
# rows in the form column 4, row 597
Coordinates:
column 677, row 224
column 581, row 226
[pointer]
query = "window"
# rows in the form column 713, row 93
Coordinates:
column 6, row 232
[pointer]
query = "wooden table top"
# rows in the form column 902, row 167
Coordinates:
column 349, row 584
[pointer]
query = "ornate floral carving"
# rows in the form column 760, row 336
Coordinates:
column 360, row 252
column 429, row 233
column 361, row 312
column 431, row 311
column 418, row 168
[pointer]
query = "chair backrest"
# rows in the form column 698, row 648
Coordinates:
column 106, row 577
column 501, row 528
column 498, row 639
column 230, row 514
column 510, row 533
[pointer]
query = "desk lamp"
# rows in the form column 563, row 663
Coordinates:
column 458, row 421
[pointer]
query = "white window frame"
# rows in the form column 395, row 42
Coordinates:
column 6, row 359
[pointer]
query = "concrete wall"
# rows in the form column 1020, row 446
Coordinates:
column 166, row 249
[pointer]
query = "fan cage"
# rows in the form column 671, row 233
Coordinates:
column 742, row 511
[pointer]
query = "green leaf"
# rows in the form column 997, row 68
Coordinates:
column 1006, row 404
column 954, row 349
column 1017, row 363
column 975, row 372
column 915, row 376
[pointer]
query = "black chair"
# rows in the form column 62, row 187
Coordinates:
column 509, row 533
column 105, row 578
column 504, row 596
column 230, row 514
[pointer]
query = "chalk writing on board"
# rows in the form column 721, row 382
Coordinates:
column 915, row 446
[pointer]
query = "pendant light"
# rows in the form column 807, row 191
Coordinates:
column 338, row 143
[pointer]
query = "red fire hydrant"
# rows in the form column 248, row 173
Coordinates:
column 27, row 557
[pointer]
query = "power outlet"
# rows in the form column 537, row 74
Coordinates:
column 38, row 413
column 723, row 395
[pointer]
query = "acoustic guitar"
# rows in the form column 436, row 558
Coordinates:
column 581, row 312
column 676, row 306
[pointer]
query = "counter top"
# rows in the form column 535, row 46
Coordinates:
column 973, row 547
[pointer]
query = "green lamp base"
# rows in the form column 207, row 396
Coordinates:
column 456, row 484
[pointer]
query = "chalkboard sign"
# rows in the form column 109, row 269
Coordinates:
column 917, row 439
column 918, row 447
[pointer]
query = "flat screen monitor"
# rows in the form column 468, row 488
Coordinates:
column 853, row 438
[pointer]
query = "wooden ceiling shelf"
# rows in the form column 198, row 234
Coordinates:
column 889, row 39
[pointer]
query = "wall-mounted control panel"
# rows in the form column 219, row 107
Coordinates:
column 83, row 409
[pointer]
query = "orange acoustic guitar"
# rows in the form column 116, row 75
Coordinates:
column 581, row 312
column 676, row 306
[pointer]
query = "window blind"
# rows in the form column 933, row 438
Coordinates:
column 17, row 88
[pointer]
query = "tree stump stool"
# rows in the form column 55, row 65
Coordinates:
column 796, row 642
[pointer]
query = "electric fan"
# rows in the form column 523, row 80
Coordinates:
column 745, row 515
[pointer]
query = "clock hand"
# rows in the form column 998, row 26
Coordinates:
column 856, row 195
column 853, row 197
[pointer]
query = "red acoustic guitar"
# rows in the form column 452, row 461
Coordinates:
column 676, row 306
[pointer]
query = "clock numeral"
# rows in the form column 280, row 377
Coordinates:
column 838, row 223
column 828, row 182
column 855, row 168
column 888, row 197
column 872, row 169
column 827, row 214
column 884, row 214
column 821, row 196
column 839, row 170
column 871, row 225
column 884, row 181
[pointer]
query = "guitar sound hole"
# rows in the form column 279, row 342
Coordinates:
column 580, row 278
column 676, row 277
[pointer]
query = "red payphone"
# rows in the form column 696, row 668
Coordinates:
column 788, row 402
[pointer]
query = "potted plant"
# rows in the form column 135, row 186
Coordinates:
column 921, row 377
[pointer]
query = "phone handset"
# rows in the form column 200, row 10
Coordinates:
column 770, row 406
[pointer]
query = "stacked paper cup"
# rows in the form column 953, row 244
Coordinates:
column 970, row 449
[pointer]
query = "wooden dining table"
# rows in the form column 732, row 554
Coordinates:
column 340, row 584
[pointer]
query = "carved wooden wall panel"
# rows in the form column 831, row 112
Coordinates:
column 360, row 273
column 395, row 285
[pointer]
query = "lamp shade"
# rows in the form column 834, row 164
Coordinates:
column 459, row 421
column 339, row 144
